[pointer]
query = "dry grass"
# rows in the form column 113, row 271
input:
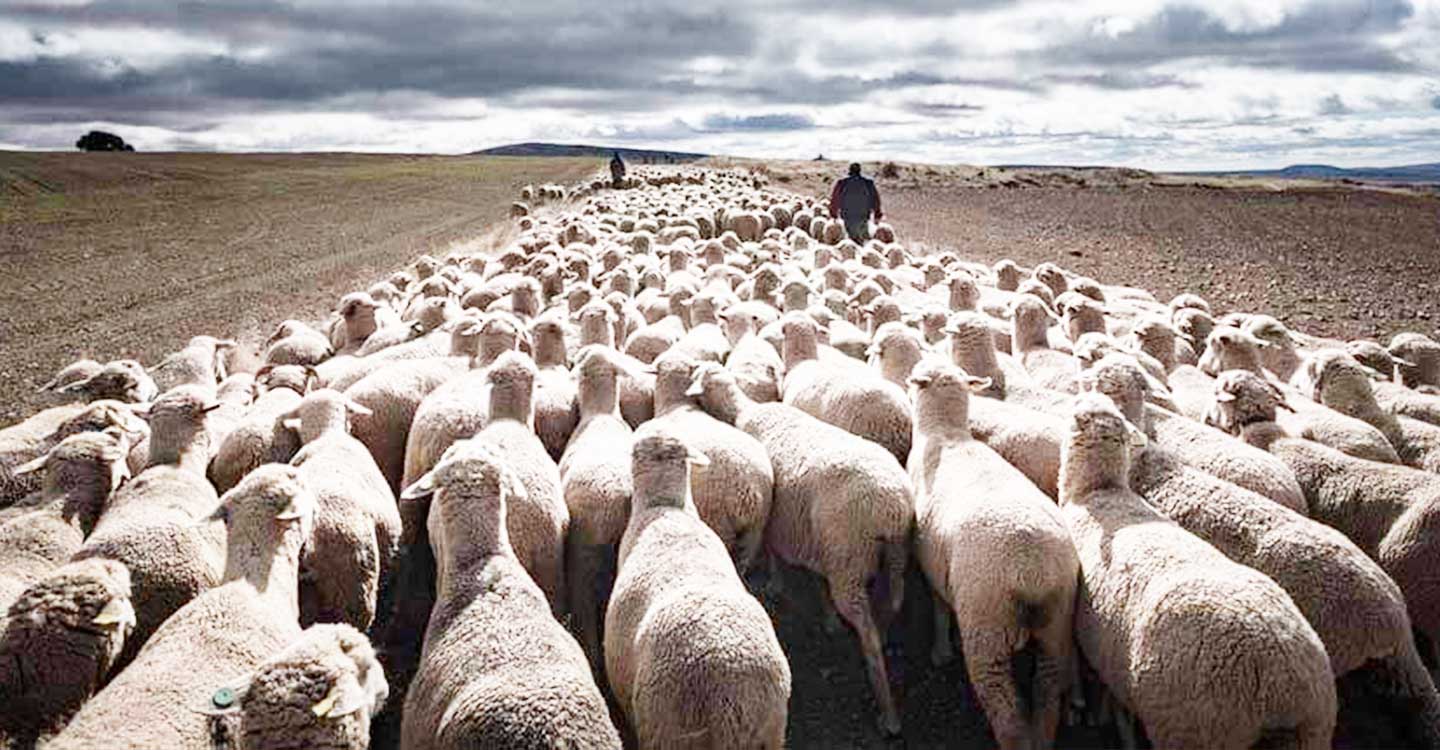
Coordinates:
column 128, row 255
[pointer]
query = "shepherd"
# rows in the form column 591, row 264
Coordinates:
column 854, row 199
column 617, row 170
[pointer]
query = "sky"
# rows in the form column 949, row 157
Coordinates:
column 1157, row 84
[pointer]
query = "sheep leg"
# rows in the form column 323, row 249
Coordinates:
column 988, row 660
column 854, row 606
column 1053, row 667
column 582, row 569
column 1124, row 723
column 942, row 651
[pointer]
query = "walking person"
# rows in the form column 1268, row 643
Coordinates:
column 854, row 199
column 617, row 170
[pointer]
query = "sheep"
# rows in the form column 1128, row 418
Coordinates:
column 690, row 655
column 60, row 640
column 895, row 351
column 359, row 317
column 972, row 349
column 854, row 398
column 1201, row 447
column 156, row 523
column 457, row 408
column 201, row 362
column 294, row 343
column 496, row 670
column 1356, row 608
column 1048, row 367
column 120, row 380
column 538, row 519
column 1335, row 379
column 1204, row 651
column 75, row 372
column 392, row 394
column 321, row 691
column 355, row 534
column 1277, row 351
column 557, row 408
column 997, row 553
column 1421, row 359
column 255, row 440
column 163, row 698
column 734, row 491
column 36, row 436
column 842, row 508
column 596, row 485
column 1386, row 510
column 45, row 529
column 1232, row 350
column 756, row 364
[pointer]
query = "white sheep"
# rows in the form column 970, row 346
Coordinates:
column 156, row 523
column 734, row 491
column 294, row 343
column 163, row 699
column 689, row 653
column 1333, row 378
column 201, row 362
column 497, row 670
column 537, row 520
column 33, row 438
column 355, row 533
column 63, row 635
column 842, row 509
column 998, row 555
column 1205, row 652
column 854, row 398
column 255, row 439
column 321, row 691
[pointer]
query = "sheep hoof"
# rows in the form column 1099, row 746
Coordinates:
column 889, row 725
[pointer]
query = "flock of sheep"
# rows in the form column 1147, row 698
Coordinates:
column 521, row 499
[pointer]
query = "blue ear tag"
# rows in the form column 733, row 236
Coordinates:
column 223, row 698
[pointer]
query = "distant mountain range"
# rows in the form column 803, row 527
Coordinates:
column 574, row 150
column 1415, row 173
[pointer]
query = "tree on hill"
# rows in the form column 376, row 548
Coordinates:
column 99, row 140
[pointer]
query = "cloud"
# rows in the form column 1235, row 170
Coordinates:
column 1152, row 83
column 759, row 122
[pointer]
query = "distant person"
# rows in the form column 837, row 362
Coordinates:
column 617, row 170
column 854, row 199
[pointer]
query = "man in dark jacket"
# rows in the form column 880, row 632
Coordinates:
column 617, row 170
column 854, row 199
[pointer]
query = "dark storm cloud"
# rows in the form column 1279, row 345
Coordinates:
column 1435, row 103
column 326, row 52
column 1323, row 35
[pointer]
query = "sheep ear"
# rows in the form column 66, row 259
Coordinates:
column 697, row 387
column 695, row 458
column 357, row 409
column 226, row 344
column 422, row 488
column 30, row 467
column 1372, row 372
column 221, row 513
column 1224, row 396
column 1403, row 362
column 209, row 407
column 291, row 512
column 79, row 386
column 920, row 381
column 290, row 423
column 976, row 385
column 417, row 327
column 118, row 612
column 345, row 698
column 1137, row 437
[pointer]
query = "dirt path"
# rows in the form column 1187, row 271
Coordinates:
column 128, row 255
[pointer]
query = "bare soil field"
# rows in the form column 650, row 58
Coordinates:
column 1329, row 259
column 128, row 255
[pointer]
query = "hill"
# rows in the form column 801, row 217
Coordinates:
column 1415, row 173
column 640, row 155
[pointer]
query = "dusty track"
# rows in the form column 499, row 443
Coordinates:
column 128, row 255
